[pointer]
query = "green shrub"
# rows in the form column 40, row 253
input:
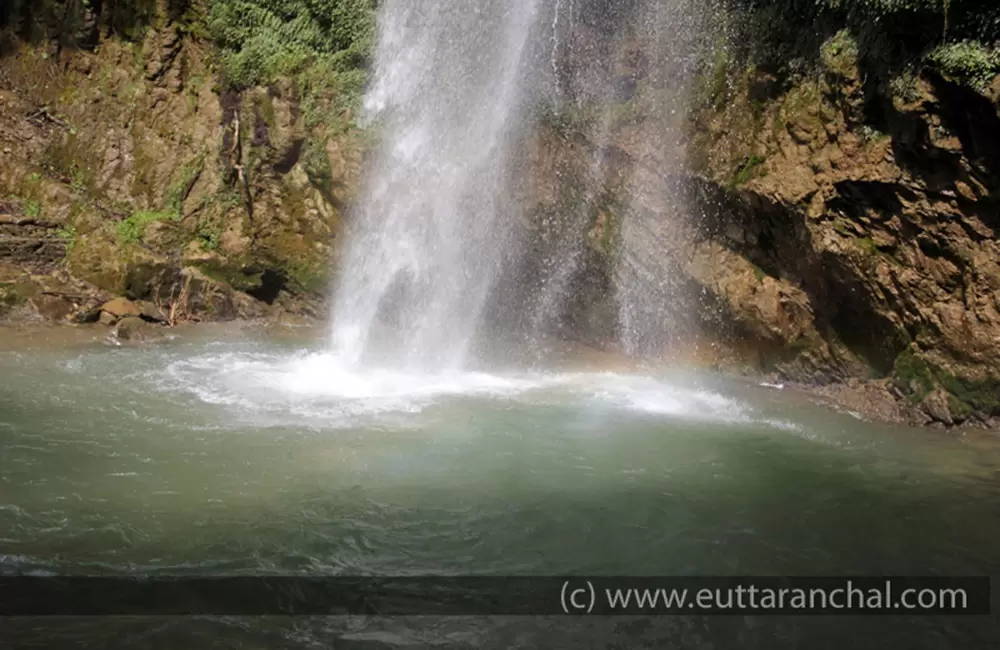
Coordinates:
column 888, row 33
column 130, row 230
column 263, row 39
column 840, row 53
column 31, row 209
column 969, row 62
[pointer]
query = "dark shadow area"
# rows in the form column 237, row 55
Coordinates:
column 777, row 240
column 974, row 120
column 79, row 24
column 271, row 284
column 784, row 39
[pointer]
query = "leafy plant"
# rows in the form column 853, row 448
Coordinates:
column 209, row 239
column 749, row 170
column 78, row 178
column 263, row 39
column 31, row 209
column 67, row 233
column 886, row 34
column 904, row 85
column 840, row 53
column 969, row 62
column 130, row 230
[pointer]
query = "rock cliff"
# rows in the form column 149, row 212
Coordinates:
column 814, row 225
column 127, row 169
column 831, row 233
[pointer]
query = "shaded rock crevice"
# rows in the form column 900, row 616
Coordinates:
column 891, row 236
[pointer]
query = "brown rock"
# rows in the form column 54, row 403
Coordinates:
column 132, row 328
column 137, row 330
column 107, row 319
column 936, row 405
column 151, row 312
column 91, row 315
column 53, row 307
column 121, row 307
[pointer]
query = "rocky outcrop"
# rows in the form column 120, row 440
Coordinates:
column 873, row 239
column 833, row 231
column 837, row 234
column 130, row 172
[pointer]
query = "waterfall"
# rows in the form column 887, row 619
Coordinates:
column 438, row 239
column 434, row 226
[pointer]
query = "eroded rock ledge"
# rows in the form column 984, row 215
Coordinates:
column 859, row 249
column 128, row 171
column 830, row 236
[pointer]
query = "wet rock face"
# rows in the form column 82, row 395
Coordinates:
column 130, row 173
column 887, row 235
column 820, row 229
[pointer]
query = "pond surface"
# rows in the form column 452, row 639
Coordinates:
column 245, row 451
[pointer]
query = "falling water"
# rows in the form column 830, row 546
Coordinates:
column 435, row 225
column 439, row 236
column 655, row 219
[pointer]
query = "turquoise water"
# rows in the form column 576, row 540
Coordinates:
column 253, row 451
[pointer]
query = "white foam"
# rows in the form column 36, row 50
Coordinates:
column 320, row 386
column 322, row 389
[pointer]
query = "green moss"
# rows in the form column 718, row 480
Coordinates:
column 917, row 378
column 267, row 110
column 758, row 272
column 611, row 232
column 871, row 250
column 567, row 122
column 313, row 278
column 841, row 227
column 969, row 62
column 867, row 244
column 182, row 186
column 748, row 171
column 68, row 233
column 914, row 374
column 959, row 409
column 144, row 181
column 839, row 54
column 801, row 106
column 130, row 230
column 981, row 395
column 233, row 274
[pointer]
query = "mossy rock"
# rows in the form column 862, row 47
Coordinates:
column 9, row 295
column 97, row 258
column 917, row 377
column 839, row 54
column 148, row 277
column 242, row 277
column 296, row 258
column 165, row 235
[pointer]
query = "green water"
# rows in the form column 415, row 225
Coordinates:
column 249, row 451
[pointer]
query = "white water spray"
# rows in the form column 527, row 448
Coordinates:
column 450, row 249
column 434, row 227
column 436, row 242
